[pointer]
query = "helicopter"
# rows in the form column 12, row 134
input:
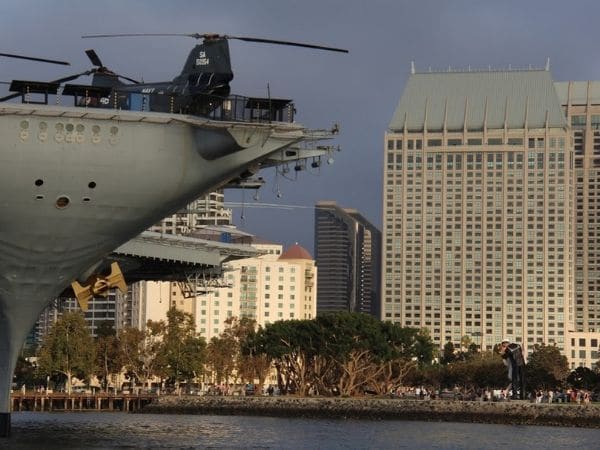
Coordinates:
column 202, row 85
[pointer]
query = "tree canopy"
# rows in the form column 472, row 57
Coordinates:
column 68, row 349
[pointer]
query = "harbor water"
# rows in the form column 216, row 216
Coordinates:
column 93, row 430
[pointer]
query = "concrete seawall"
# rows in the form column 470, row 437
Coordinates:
column 513, row 412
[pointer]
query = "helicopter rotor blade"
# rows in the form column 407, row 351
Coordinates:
column 30, row 58
column 93, row 57
column 72, row 77
column 194, row 35
column 128, row 79
column 223, row 36
column 279, row 42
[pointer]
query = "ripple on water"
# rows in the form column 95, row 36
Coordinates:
column 117, row 430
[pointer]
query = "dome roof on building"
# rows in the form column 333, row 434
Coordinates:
column 296, row 251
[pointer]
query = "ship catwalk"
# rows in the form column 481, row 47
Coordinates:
column 75, row 183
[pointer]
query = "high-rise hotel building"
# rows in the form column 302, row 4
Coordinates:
column 479, row 211
column 581, row 103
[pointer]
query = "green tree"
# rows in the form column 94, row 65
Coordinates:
column 109, row 358
column 220, row 357
column 68, row 349
column 183, row 350
column 250, row 364
column 448, row 353
column 424, row 349
column 398, row 361
column 481, row 370
column 292, row 346
column 546, row 368
column 26, row 373
column 465, row 343
column 584, row 378
column 141, row 350
column 358, row 345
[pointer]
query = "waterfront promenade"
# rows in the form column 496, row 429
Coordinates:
column 60, row 401
column 515, row 412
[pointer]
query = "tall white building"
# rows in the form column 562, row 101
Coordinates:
column 478, row 209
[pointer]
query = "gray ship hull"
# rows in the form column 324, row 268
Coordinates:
column 77, row 183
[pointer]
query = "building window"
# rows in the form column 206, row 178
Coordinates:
column 515, row 141
column 578, row 121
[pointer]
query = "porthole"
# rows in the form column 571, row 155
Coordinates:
column 69, row 127
column 39, row 182
column 80, row 128
column 24, row 124
column 92, row 184
column 62, row 202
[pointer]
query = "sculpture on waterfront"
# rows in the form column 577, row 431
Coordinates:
column 512, row 356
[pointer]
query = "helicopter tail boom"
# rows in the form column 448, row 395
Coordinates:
column 207, row 68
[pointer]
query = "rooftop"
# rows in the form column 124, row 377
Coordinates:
column 453, row 101
column 296, row 251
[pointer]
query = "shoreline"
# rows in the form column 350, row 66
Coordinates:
column 507, row 413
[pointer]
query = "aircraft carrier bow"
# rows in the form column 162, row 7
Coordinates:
column 77, row 182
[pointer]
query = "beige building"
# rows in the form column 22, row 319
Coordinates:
column 581, row 103
column 151, row 300
column 275, row 286
column 478, row 211
column 582, row 349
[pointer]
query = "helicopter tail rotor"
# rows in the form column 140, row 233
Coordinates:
column 93, row 57
column 102, row 69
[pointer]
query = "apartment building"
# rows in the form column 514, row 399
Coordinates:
column 279, row 285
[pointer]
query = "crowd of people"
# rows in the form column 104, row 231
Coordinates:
column 578, row 396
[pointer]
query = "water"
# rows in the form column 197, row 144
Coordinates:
column 90, row 430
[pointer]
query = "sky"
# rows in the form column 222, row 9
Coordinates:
column 359, row 90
